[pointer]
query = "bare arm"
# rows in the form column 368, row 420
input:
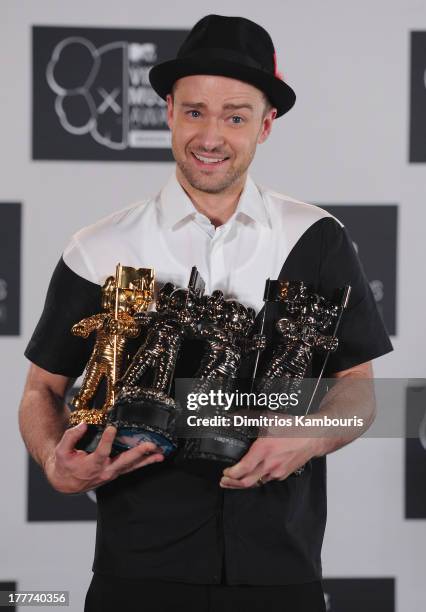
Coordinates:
column 275, row 458
column 352, row 396
column 43, row 415
column 43, row 419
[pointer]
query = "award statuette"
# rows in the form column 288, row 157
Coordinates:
column 225, row 328
column 131, row 291
column 144, row 411
column 301, row 332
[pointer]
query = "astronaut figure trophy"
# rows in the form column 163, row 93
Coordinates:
column 130, row 292
column 225, row 328
column 300, row 333
column 144, row 409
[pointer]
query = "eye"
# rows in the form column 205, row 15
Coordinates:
column 236, row 119
column 194, row 114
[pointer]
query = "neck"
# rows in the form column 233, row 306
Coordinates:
column 217, row 207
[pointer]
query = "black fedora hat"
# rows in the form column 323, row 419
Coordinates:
column 227, row 46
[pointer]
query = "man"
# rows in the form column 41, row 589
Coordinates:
column 167, row 536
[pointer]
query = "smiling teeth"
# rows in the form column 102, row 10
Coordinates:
column 208, row 160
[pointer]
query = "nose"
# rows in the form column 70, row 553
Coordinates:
column 210, row 135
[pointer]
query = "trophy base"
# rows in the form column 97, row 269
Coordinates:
column 129, row 437
column 219, row 447
column 144, row 418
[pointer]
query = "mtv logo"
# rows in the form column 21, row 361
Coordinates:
column 146, row 52
column 92, row 99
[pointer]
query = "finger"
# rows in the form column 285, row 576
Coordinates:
column 71, row 437
column 125, row 460
column 293, row 471
column 247, row 465
column 230, row 483
column 251, row 480
column 103, row 450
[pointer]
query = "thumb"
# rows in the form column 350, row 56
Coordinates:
column 72, row 436
column 247, row 463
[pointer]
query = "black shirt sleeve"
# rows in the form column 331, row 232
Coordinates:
column 69, row 299
column 362, row 334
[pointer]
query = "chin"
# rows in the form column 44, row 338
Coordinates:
column 212, row 185
column 208, row 184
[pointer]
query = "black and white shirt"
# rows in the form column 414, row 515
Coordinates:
column 164, row 522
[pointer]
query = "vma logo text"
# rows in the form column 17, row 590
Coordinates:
column 92, row 97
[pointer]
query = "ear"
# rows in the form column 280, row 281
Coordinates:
column 169, row 101
column 267, row 125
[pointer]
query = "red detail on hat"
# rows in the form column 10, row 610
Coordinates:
column 277, row 73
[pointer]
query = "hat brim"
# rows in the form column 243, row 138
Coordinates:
column 162, row 76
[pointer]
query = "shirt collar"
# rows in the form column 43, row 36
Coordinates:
column 175, row 206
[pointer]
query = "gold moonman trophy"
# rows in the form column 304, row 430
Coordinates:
column 130, row 292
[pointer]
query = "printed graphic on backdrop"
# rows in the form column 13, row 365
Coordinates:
column 418, row 98
column 415, row 453
column 92, row 99
column 373, row 230
column 356, row 594
column 46, row 504
column 10, row 268
column 9, row 586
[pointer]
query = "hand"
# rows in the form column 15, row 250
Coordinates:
column 79, row 330
column 269, row 459
column 75, row 471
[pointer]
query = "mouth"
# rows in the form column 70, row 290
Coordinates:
column 204, row 161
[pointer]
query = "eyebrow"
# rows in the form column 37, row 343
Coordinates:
column 228, row 106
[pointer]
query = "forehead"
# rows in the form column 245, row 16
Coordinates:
column 216, row 90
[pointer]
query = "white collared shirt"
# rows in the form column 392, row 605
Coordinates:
column 169, row 234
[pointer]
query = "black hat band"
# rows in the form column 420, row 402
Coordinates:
column 213, row 53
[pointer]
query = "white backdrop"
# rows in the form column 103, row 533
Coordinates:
column 346, row 141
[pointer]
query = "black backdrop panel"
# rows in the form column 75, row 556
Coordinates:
column 46, row 504
column 418, row 98
column 91, row 95
column 10, row 268
column 373, row 230
column 8, row 586
column 359, row 594
column 415, row 454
